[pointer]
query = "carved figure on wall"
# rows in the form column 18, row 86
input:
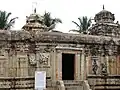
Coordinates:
column 112, row 47
column 44, row 58
column 103, row 69
column 32, row 59
column 95, row 66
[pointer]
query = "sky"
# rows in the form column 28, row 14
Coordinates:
column 66, row 10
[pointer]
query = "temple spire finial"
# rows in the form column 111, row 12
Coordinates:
column 34, row 5
column 35, row 10
column 103, row 7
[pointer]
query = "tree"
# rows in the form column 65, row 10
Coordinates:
column 5, row 22
column 83, row 26
column 49, row 21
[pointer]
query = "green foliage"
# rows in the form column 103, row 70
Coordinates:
column 49, row 21
column 84, row 24
column 5, row 23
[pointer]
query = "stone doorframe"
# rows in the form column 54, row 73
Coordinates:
column 59, row 51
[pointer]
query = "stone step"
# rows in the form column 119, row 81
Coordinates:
column 98, row 82
column 73, row 85
column 106, row 87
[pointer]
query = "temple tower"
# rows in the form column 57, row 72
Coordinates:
column 34, row 23
column 105, row 25
column 104, row 16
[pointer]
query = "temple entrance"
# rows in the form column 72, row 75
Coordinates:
column 68, row 66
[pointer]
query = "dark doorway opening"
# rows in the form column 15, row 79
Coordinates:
column 68, row 66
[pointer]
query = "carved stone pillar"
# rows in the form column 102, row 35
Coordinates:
column 3, row 67
column 118, row 65
column 53, row 62
column 113, row 65
column 88, row 64
column 82, row 65
column 22, row 66
column 107, row 62
column 77, row 66
column 59, row 65
column 12, row 64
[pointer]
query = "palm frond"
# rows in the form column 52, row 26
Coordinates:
column 81, row 21
column 89, row 22
column 10, row 23
column 84, row 24
column 51, row 27
column 57, row 20
column 4, row 23
column 76, row 24
column 49, row 21
column 7, row 16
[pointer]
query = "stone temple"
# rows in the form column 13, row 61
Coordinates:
column 72, row 61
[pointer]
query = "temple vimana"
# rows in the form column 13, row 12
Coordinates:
column 71, row 61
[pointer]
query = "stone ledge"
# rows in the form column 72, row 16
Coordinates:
column 102, row 76
column 9, row 36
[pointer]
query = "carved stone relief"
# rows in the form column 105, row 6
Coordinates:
column 103, row 69
column 43, row 58
column 2, row 67
column 44, row 48
column 2, row 52
column 94, row 64
column 32, row 59
column 22, row 47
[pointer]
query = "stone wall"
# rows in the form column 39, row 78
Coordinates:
column 21, row 53
column 112, row 64
column 110, row 82
column 27, row 83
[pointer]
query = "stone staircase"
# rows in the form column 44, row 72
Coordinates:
column 104, row 82
column 73, row 85
column 76, row 85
